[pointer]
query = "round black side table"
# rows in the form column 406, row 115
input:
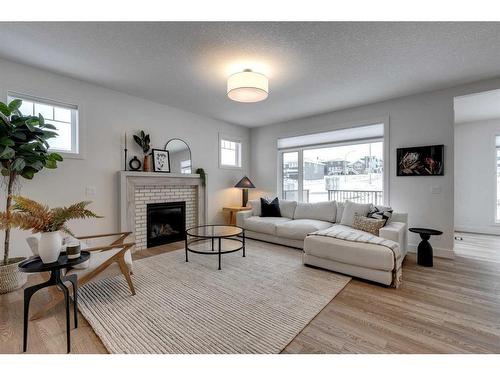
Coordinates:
column 424, row 250
column 35, row 264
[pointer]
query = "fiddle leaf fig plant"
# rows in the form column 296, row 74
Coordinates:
column 143, row 140
column 24, row 151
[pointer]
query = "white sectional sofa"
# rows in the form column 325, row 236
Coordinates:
column 299, row 220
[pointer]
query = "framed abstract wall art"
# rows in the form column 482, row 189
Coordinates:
column 420, row 161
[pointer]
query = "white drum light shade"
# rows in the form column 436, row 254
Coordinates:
column 247, row 87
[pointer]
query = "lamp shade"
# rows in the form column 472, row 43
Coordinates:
column 245, row 183
column 247, row 87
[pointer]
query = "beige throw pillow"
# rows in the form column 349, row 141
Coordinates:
column 368, row 224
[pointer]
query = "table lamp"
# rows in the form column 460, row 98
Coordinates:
column 245, row 184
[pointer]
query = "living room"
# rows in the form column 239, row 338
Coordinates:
column 258, row 187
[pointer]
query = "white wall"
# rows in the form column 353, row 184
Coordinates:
column 421, row 119
column 105, row 116
column 475, row 176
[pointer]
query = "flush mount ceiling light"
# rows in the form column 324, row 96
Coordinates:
column 247, row 87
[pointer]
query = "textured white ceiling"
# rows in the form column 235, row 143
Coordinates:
column 312, row 67
column 477, row 107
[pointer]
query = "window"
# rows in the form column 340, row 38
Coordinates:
column 290, row 180
column 346, row 170
column 229, row 152
column 497, row 162
column 63, row 116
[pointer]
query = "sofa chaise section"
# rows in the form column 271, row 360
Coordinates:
column 296, row 229
column 364, row 260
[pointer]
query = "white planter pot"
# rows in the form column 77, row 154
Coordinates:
column 49, row 246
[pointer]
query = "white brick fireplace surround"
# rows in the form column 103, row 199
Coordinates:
column 138, row 189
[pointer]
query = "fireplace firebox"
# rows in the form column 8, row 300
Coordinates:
column 166, row 223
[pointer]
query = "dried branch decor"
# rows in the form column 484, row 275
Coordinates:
column 27, row 214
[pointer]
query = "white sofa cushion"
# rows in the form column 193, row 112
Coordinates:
column 287, row 208
column 298, row 229
column 264, row 224
column 356, row 253
column 339, row 207
column 256, row 208
column 325, row 211
column 352, row 209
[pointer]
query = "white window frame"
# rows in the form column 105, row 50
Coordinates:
column 224, row 137
column 76, row 129
column 300, row 170
column 385, row 139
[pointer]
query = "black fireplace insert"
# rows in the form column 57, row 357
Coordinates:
column 166, row 223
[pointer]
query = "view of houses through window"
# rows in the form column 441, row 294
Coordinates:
column 337, row 172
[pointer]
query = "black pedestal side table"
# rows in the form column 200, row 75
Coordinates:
column 35, row 264
column 424, row 250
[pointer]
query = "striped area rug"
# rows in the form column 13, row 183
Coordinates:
column 256, row 304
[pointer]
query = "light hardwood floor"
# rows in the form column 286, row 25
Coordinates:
column 478, row 246
column 453, row 307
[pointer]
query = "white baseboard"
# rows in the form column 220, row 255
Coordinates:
column 438, row 251
column 493, row 229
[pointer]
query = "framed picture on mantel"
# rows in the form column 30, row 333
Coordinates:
column 161, row 161
column 421, row 161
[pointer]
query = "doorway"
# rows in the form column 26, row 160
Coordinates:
column 477, row 175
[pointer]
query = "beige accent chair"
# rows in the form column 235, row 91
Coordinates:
column 115, row 257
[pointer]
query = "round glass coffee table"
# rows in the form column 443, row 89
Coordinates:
column 202, row 239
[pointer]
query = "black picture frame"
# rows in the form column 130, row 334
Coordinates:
column 420, row 161
column 161, row 160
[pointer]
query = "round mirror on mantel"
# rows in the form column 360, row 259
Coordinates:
column 180, row 156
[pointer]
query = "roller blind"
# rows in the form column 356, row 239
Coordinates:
column 334, row 136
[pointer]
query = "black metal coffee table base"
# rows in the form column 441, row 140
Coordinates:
column 57, row 280
column 193, row 236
